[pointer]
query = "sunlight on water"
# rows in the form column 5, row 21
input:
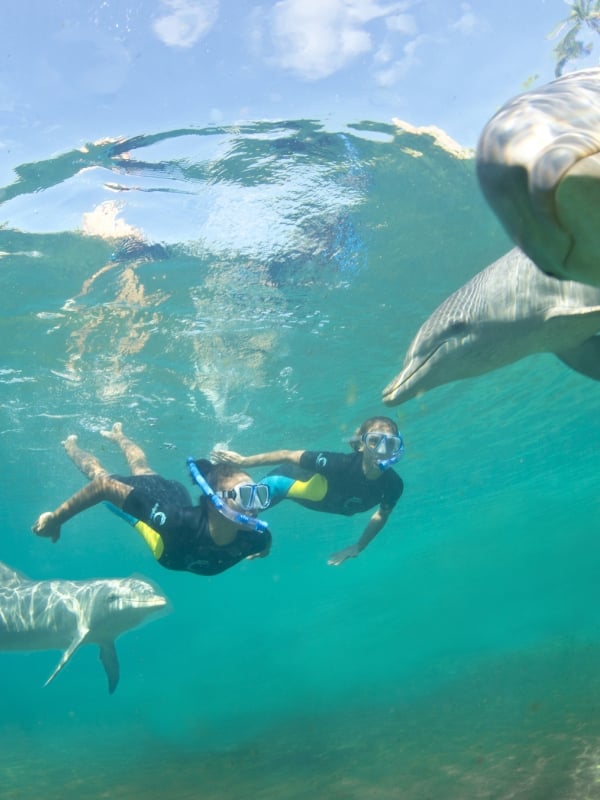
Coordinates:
column 258, row 287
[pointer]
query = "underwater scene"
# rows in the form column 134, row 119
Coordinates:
column 256, row 289
column 253, row 282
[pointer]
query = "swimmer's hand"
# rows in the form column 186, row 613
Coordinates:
column 47, row 526
column 335, row 559
column 219, row 456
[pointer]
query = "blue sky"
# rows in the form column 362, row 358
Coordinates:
column 79, row 70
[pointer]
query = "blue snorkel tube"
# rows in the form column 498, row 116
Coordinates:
column 386, row 463
column 258, row 525
column 389, row 462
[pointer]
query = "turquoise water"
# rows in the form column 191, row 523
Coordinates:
column 257, row 287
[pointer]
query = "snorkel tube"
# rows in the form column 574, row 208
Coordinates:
column 258, row 525
column 389, row 462
column 386, row 463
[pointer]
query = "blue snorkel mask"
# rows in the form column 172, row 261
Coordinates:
column 258, row 525
column 387, row 448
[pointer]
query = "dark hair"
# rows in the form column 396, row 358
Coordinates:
column 368, row 423
column 214, row 473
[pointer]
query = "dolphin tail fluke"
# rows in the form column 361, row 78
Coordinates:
column 75, row 644
column 110, row 662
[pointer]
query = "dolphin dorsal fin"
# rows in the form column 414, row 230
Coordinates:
column 110, row 662
column 75, row 644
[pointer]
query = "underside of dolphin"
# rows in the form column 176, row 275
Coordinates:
column 538, row 163
column 508, row 311
column 58, row 614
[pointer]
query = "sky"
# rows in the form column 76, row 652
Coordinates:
column 73, row 71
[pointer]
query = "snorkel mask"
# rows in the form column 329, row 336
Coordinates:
column 258, row 525
column 387, row 448
column 248, row 496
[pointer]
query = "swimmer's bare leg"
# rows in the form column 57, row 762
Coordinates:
column 136, row 458
column 84, row 461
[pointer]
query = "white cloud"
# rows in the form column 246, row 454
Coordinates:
column 186, row 22
column 384, row 54
column 393, row 73
column 469, row 23
column 402, row 23
column 315, row 38
column 255, row 31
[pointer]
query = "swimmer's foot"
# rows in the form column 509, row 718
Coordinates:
column 115, row 434
column 70, row 444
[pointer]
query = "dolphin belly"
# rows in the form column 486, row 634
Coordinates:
column 578, row 211
column 538, row 164
column 33, row 639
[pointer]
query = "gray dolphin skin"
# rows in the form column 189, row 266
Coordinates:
column 538, row 163
column 63, row 615
column 506, row 312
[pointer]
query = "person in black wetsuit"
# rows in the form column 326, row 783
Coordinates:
column 181, row 536
column 337, row 483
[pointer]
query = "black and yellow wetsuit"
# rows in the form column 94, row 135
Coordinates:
column 334, row 483
column 177, row 532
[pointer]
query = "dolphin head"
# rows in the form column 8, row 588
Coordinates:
column 437, row 355
column 122, row 603
column 506, row 312
column 473, row 331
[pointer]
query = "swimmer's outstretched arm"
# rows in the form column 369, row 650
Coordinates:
column 257, row 460
column 374, row 525
column 49, row 523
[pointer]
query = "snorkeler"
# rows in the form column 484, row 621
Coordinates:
column 337, row 483
column 205, row 539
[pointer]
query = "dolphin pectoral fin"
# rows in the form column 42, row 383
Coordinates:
column 110, row 662
column 577, row 202
column 75, row 644
column 585, row 358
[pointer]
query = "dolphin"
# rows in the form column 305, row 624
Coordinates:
column 508, row 311
column 538, row 164
column 59, row 614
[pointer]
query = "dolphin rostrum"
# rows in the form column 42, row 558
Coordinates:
column 508, row 311
column 538, row 163
column 59, row 614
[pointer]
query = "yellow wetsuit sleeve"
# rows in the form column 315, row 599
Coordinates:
column 151, row 537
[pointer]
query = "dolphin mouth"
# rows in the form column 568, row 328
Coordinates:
column 395, row 386
column 153, row 602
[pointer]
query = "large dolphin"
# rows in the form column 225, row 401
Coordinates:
column 506, row 312
column 58, row 614
column 538, row 163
